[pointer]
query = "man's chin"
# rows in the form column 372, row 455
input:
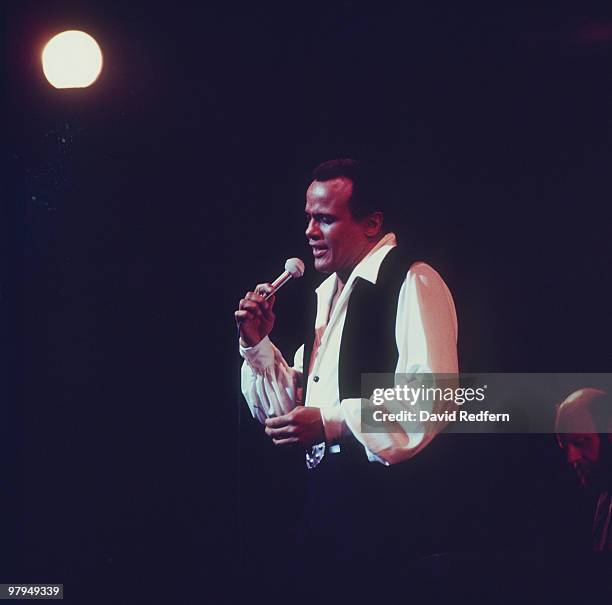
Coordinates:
column 321, row 266
column 586, row 479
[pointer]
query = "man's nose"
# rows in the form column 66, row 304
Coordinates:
column 573, row 454
column 312, row 230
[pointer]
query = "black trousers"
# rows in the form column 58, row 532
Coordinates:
column 363, row 524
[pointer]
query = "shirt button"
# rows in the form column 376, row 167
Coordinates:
column 315, row 378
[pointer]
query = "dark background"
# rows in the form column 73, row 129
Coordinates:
column 138, row 211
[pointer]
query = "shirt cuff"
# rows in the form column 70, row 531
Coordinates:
column 259, row 356
column 334, row 423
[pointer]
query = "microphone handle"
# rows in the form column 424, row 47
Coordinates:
column 278, row 283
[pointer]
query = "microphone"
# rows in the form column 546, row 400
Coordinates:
column 294, row 267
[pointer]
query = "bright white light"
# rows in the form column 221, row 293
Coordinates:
column 72, row 59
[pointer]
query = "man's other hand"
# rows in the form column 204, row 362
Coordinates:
column 254, row 317
column 302, row 425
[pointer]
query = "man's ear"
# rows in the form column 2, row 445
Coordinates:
column 373, row 224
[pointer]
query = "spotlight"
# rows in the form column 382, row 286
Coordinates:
column 72, row 59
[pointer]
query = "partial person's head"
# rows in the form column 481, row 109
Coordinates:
column 344, row 214
column 583, row 426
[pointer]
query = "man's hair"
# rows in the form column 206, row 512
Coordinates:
column 368, row 193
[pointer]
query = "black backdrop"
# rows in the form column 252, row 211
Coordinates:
column 141, row 209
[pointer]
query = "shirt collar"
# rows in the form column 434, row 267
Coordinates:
column 367, row 268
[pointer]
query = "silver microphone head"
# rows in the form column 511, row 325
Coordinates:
column 295, row 267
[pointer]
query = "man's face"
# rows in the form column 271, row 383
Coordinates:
column 338, row 241
column 583, row 455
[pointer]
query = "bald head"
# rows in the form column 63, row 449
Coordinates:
column 583, row 426
column 577, row 412
column 585, row 411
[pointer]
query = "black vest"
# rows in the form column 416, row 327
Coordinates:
column 368, row 336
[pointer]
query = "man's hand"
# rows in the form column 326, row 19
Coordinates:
column 302, row 425
column 254, row 317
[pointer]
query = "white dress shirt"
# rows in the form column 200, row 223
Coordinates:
column 426, row 337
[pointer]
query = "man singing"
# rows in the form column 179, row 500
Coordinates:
column 378, row 311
